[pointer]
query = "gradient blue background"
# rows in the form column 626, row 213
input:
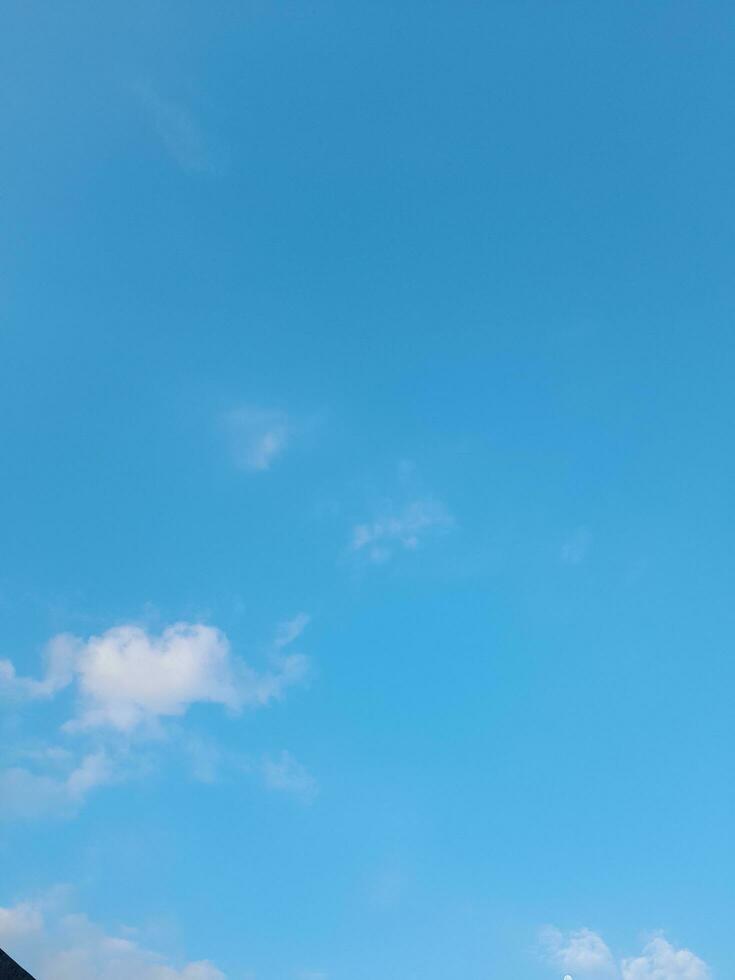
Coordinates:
column 495, row 239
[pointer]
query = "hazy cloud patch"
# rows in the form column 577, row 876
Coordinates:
column 577, row 546
column 26, row 793
column 55, row 943
column 285, row 775
column 257, row 437
column 398, row 529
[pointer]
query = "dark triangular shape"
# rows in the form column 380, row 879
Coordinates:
column 9, row 969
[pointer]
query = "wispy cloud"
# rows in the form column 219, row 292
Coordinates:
column 26, row 793
column 59, row 656
column 400, row 529
column 257, row 437
column 204, row 757
column 285, row 775
column 290, row 630
column 585, row 954
column 178, row 130
column 576, row 548
column 56, row 943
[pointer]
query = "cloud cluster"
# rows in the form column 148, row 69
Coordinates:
column 127, row 682
column 128, row 678
column 582, row 951
column 661, row 961
column 585, row 954
column 57, row 944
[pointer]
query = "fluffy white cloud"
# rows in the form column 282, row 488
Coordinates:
column 127, row 683
column 661, row 961
column 286, row 775
column 128, row 679
column 585, row 954
column 257, row 437
column 57, row 945
column 402, row 529
column 581, row 950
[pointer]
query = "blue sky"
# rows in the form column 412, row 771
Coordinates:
column 366, row 540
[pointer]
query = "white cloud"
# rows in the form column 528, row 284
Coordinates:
column 661, row 961
column 128, row 679
column 585, row 954
column 582, row 951
column 286, row 775
column 57, row 945
column 401, row 529
column 128, row 685
column 25, row 794
column 257, row 437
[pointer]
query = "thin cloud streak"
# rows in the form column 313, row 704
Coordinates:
column 178, row 131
